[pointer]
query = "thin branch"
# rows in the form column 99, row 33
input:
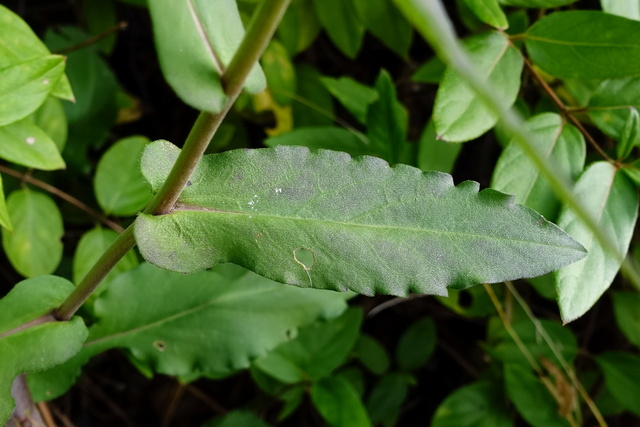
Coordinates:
column 566, row 111
column 64, row 196
column 176, row 397
column 93, row 39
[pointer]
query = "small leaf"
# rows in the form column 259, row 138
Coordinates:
column 354, row 96
column 489, row 12
column 457, row 113
column 434, row 154
column 38, row 347
column 91, row 246
column 196, row 41
column 504, row 348
column 5, row 219
column 372, row 354
column 538, row 4
column 340, row 21
column 625, row 8
column 514, row 173
column 585, row 44
column 323, row 137
column 630, row 135
column 19, row 42
column 385, row 21
column 387, row 397
column 236, row 419
column 33, row 247
column 621, row 373
column 280, row 73
column 313, row 106
column 50, row 117
column 531, row 398
column 299, row 26
column 119, row 185
column 626, row 306
column 316, row 352
column 613, row 201
column 366, row 227
column 609, row 104
column 480, row 404
column 430, row 72
column 416, row 345
column 25, row 86
column 100, row 16
column 26, row 144
column 387, row 122
column 338, row 403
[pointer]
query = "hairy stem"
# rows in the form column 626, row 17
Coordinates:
column 261, row 29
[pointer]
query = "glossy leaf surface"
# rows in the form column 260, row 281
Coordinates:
column 337, row 401
column 609, row 104
column 514, row 173
column 480, row 404
column 118, row 184
column 360, row 224
column 459, row 115
column 26, row 144
column 33, row 247
column 315, row 352
column 196, row 41
column 625, row 8
column 38, row 347
column 50, row 117
column 585, row 45
column 621, row 373
column 5, row 220
column 626, row 306
column 537, row 3
column 489, row 12
column 25, row 86
column 613, row 201
column 531, row 398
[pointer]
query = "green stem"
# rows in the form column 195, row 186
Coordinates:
column 263, row 24
column 432, row 21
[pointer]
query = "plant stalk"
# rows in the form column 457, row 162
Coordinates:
column 263, row 24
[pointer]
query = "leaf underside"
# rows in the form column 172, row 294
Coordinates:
column 328, row 221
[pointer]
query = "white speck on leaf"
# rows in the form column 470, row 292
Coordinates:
column 45, row 81
column 278, row 190
column 30, row 140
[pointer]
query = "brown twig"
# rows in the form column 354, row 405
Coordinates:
column 208, row 400
column 64, row 196
column 46, row 414
column 93, row 39
column 566, row 111
column 173, row 405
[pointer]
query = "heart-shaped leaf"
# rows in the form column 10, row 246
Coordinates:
column 328, row 221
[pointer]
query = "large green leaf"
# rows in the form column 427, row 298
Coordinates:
column 514, row 173
column 489, row 12
column 119, row 185
column 609, row 104
column 5, row 220
column 340, row 20
column 585, row 44
column 211, row 323
column 626, row 306
column 19, row 42
column 26, row 144
column 38, row 347
column 196, row 40
column 361, row 225
column 384, row 20
column 338, row 402
column 315, row 352
column 613, row 201
column 25, row 86
column 476, row 405
column 621, row 373
column 50, row 117
column 531, row 398
column 626, row 8
column 34, row 245
column 459, row 115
